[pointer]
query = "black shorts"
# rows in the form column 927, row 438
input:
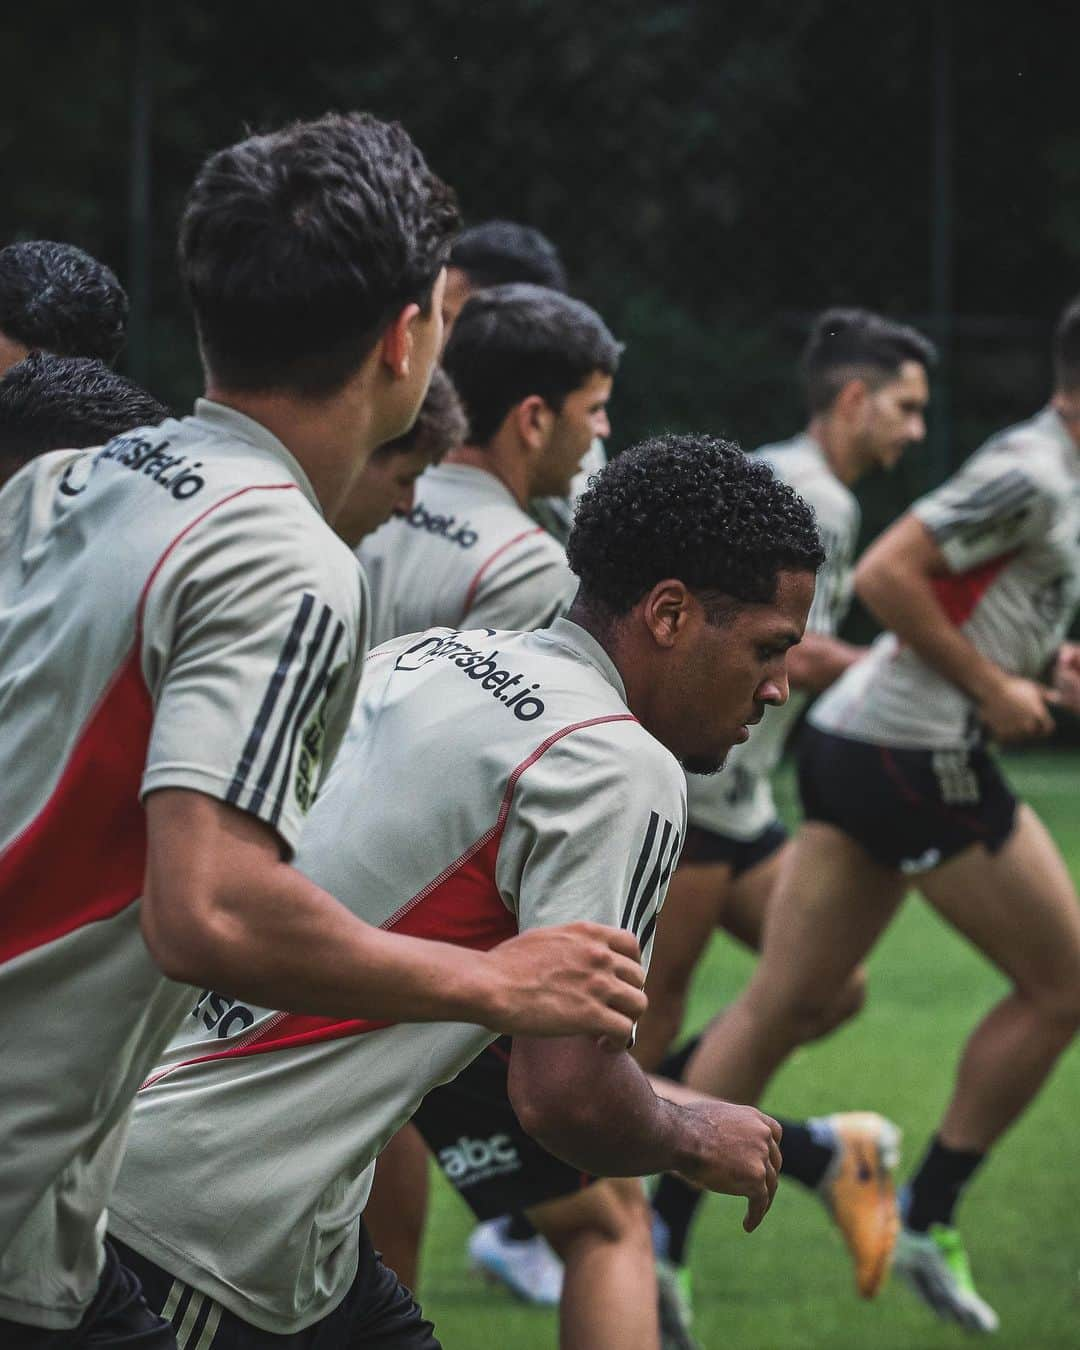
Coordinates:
column 472, row 1130
column 377, row 1312
column 703, row 846
column 118, row 1316
column 910, row 809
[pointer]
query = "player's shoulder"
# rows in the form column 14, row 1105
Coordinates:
column 586, row 703
column 1037, row 448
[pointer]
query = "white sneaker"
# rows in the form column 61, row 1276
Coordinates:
column 529, row 1269
column 935, row 1266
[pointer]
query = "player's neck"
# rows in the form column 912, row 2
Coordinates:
column 838, row 446
column 1067, row 407
column 330, row 438
column 499, row 461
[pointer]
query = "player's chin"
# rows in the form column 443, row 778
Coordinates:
column 704, row 765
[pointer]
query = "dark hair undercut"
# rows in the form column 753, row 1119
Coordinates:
column 501, row 251
column 440, row 425
column 56, row 298
column 1067, row 349
column 511, row 342
column 64, row 402
column 847, row 344
column 298, row 247
column 693, row 508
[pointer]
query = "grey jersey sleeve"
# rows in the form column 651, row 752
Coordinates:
column 992, row 506
column 253, row 640
column 526, row 585
column 595, row 829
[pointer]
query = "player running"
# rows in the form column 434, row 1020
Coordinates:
column 978, row 584
column 543, row 776
column 182, row 628
column 865, row 378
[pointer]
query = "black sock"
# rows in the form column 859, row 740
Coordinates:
column 673, row 1065
column 936, row 1186
column 807, row 1150
column 519, row 1229
column 676, row 1202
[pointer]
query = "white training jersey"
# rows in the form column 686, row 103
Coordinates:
column 489, row 783
column 465, row 556
column 738, row 802
column 1008, row 524
column 175, row 613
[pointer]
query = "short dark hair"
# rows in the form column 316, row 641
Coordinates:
column 501, row 251
column 67, row 402
column 56, row 298
column 1067, row 349
column 510, row 342
column 440, row 426
column 847, row 344
column 298, row 247
column 693, row 508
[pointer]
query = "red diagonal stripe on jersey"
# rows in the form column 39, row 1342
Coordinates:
column 474, row 585
column 959, row 593
column 461, row 906
column 83, row 856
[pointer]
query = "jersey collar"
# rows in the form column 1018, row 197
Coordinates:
column 569, row 634
column 226, row 421
column 1051, row 421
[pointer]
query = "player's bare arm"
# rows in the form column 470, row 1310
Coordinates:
column 819, row 660
column 599, row 1112
column 894, row 581
column 1065, row 675
column 221, row 909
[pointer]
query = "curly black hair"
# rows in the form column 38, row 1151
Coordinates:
column 56, row 298
column 694, row 508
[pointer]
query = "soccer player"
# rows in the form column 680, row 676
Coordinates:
column 541, row 772
column 534, row 370
column 497, row 253
column 865, row 379
column 56, row 298
column 182, row 641
column 57, row 402
column 978, row 584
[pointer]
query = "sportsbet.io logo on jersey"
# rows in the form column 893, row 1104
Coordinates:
column 481, row 666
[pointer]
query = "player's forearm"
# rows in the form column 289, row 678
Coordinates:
column 613, row 1124
column 902, row 599
column 819, row 660
column 279, row 941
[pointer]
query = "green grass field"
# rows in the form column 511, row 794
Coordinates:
column 789, row 1285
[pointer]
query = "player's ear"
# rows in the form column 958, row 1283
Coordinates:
column 396, row 343
column 851, row 399
column 666, row 611
column 533, row 420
